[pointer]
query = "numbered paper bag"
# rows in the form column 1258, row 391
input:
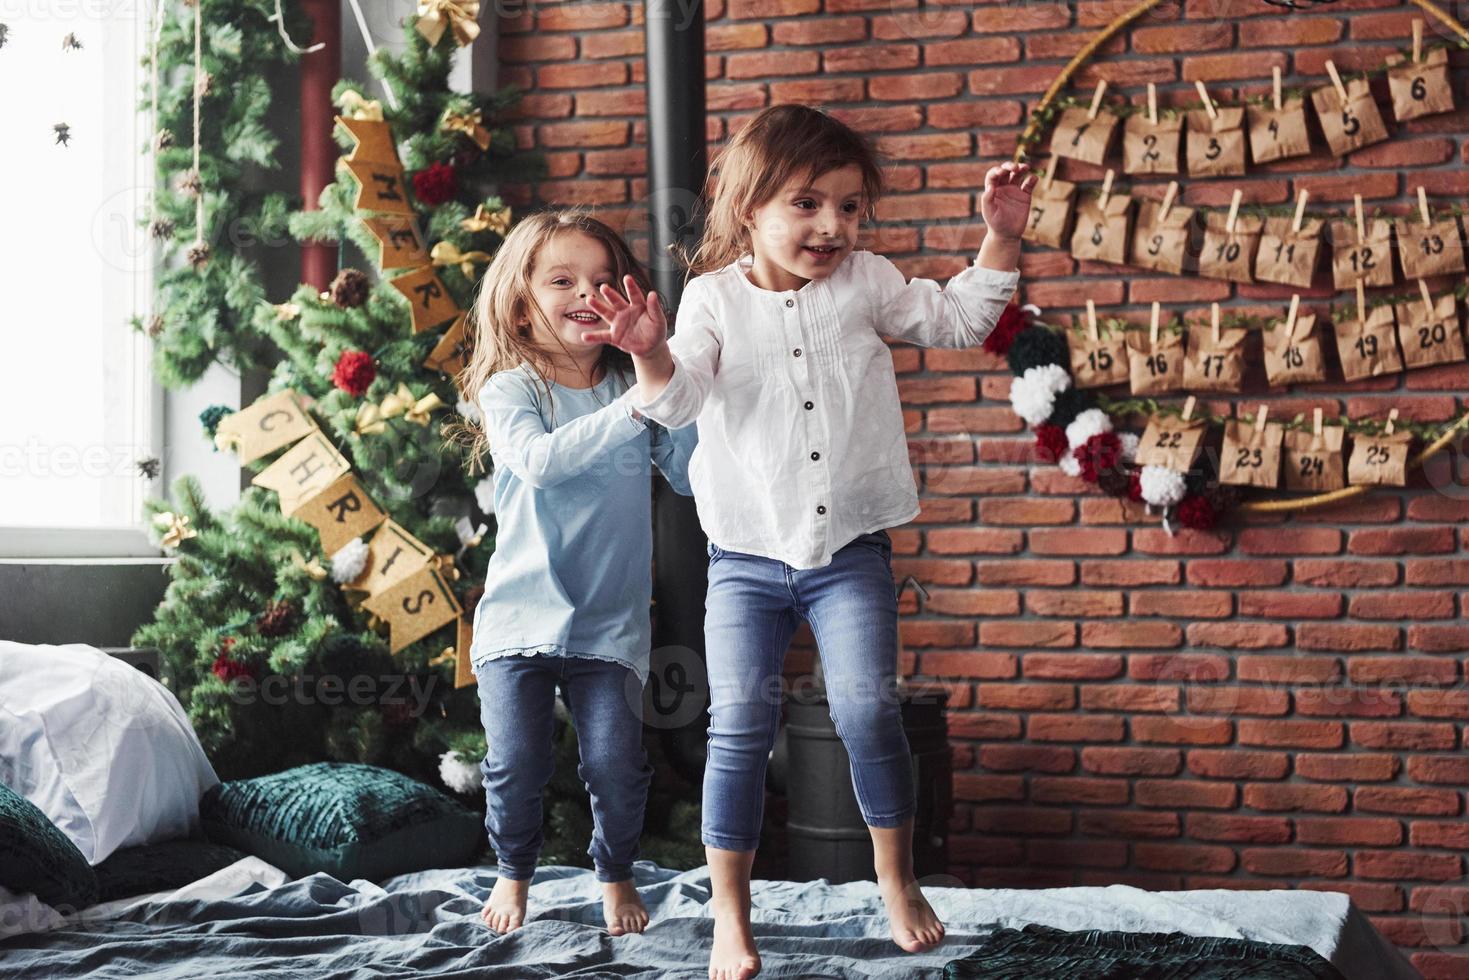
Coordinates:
column 1151, row 148
column 1229, row 255
column 1430, row 337
column 1081, row 138
column 1170, row 441
column 1162, row 243
column 1214, row 366
column 1368, row 259
column 1278, row 134
column 1313, row 460
column 1420, row 88
column 1251, row 454
column 1293, row 357
column 1352, row 124
column 1050, row 212
column 1102, row 229
column 1369, row 349
column 1289, row 257
column 1216, row 145
column 1380, row 460
column 1428, row 250
column 1154, row 369
column 1099, row 361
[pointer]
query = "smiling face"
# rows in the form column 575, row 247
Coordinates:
column 566, row 271
column 807, row 229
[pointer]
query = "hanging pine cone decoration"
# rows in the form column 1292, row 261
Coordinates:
column 163, row 140
column 155, row 325
column 162, row 228
column 277, row 619
column 189, row 183
column 350, row 288
column 198, row 255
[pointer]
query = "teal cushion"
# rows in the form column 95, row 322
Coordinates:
column 38, row 859
column 161, row 867
column 344, row 819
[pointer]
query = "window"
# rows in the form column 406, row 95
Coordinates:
column 78, row 408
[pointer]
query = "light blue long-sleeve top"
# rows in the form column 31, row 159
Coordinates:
column 572, row 569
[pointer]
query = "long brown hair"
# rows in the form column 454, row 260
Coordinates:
column 498, row 338
column 783, row 142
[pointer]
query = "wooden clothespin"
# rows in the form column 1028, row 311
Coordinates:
column 1341, row 90
column 1168, row 196
column 1208, row 102
column 1234, row 200
column 1361, row 303
column 1290, row 320
column 1153, row 324
column 1106, row 190
column 1275, row 87
column 1427, row 299
column 1050, row 173
column 1317, row 420
column 1214, row 322
column 1153, row 103
column 1361, row 219
column 1258, row 425
column 1392, row 420
column 1295, row 225
column 1417, row 39
column 1423, row 206
column 1091, row 321
column 1091, row 113
column 1188, row 407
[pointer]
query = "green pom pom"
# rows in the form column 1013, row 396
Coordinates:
column 1035, row 346
column 211, row 416
column 1069, row 404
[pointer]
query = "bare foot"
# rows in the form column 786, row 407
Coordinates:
column 505, row 910
column 623, row 908
column 734, row 956
column 915, row 926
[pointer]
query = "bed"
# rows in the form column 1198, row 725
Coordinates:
column 250, row 919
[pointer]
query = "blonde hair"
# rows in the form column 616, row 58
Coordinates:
column 495, row 328
column 781, row 143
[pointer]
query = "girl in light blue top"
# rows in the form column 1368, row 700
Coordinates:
column 568, row 588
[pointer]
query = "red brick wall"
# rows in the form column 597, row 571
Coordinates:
column 1277, row 704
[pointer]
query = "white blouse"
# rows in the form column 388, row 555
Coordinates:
column 801, row 441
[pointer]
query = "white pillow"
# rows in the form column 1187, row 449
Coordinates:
column 104, row 750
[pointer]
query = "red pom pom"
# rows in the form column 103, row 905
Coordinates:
column 227, row 669
column 354, row 372
column 1099, row 454
column 1050, row 442
column 1135, row 485
column 1196, row 512
column 1011, row 322
column 436, row 185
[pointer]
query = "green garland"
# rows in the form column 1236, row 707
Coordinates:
column 1428, row 431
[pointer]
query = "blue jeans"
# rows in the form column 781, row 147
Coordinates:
column 752, row 610
column 517, row 696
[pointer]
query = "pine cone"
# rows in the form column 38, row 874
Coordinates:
column 199, row 253
column 155, row 325
column 163, row 140
column 161, row 228
column 277, row 619
column 350, row 288
column 189, row 183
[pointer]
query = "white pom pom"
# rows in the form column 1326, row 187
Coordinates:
column 1069, row 465
column 484, row 495
column 469, row 410
column 1053, row 377
column 458, row 775
column 1092, row 422
column 349, row 562
column 1031, row 399
column 1129, row 442
column 1161, row 486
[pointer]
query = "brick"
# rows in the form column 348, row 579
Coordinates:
column 1155, row 541
column 1219, row 699
column 582, row 17
column 910, row 207
column 1129, row 698
column 1027, row 17
column 1186, row 794
column 970, row 541
column 1433, row 833
column 1235, row 764
column 1074, row 728
column 1131, row 572
column 1290, row 605
column 520, row 49
column 1130, row 762
column 915, row 88
column 1439, row 639
column 1289, row 669
column 1183, row 730
column 1289, row 32
column 925, row 24
column 1408, row 866
column 1027, row 758
column 988, row 727
column 968, row 663
column 1438, row 571
column 972, row 51
column 936, row 633
column 1010, row 80
column 1131, row 635
column 1420, row 736
column 1234, row 572
column 1183, row 37
column 934, row 571
column 1283, row 797
column 1292, row 734
column 1027, row 572
column 1401, row 671
column 1349, row 831
column 983, row 789
column 766, row 9
column 1078, row 790
column 817, row 91
column 1167, row 602
column 823, row 30
column 1239, row 827
column 1286, row 541
column 582, row 75
column 1294, row 862
column 582, row 134
column 764, row 64
column 1074, row 603
column 1407, row 800
column 1027, row 697
column 1348, row 702
column 1402, row 605
column 1347, row 636
column 972, row 114
column 1401, row 541
column 1178, row 667
column 1078, row 541
column 1184, row 857
column 729, row 37
column 1397, row 154
column 872, row 57
column 1238, row 636
column 1453, row 770
column 1130, row 825
column 1065, row 666
column 621, row 44
column 1351, row 768
column 1028, row 633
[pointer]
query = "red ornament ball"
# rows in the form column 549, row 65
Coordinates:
column 1099, row 454
column 1050, row 442
column 437, row 184
column 354, row 372
column 1196, row 512
column 1011, row 322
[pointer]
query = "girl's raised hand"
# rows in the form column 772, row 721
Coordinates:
column 635, row 324
column 1005, row 202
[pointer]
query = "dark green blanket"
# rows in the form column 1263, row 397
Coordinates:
column 1039, row 951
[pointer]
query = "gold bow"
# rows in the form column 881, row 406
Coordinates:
column 178, row 530
column 446, row 566
column 312, row 568
column 356, row 107
column 286, row 311
column 447, row 253
column 460, row 16
column 370, row 420
column 485, row 220
column 471, row 124
column 401, row 402
column 443, row 658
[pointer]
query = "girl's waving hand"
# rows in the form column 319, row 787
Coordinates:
column 1005, row 202
column 636, row 324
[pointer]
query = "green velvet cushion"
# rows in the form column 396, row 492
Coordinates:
column 36, row 858
column 347, row 820
column 161, row 867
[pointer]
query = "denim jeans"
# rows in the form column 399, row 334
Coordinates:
column 517, row 697
column 753, row 607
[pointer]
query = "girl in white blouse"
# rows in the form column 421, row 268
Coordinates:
column 802, row 463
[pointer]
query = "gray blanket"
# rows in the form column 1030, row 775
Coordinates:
column 428, row 924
